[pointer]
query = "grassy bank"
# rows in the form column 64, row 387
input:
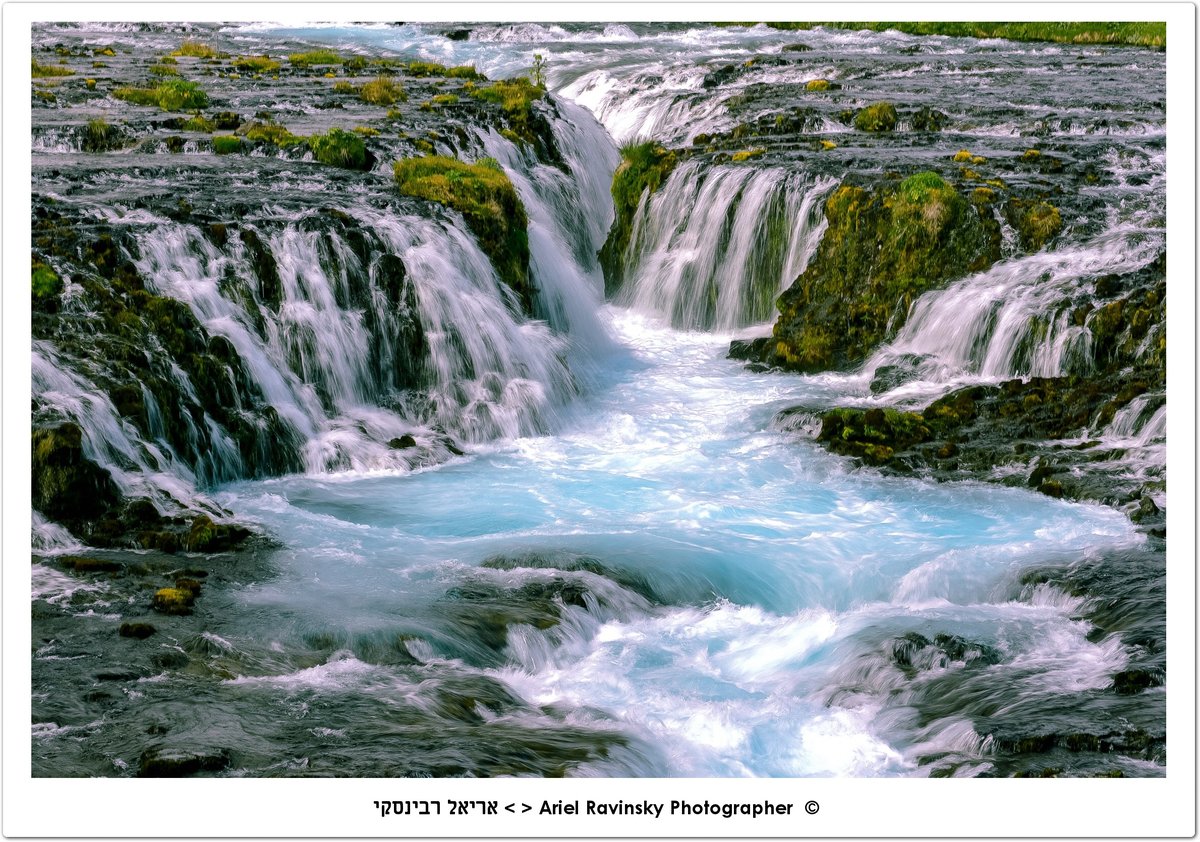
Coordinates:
column 1149, row 34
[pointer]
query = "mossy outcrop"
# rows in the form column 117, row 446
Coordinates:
column 880, row 117
column 882, row 249
column 643, row 169
column 66, row 483
column 489, row 204
column 1037, row 223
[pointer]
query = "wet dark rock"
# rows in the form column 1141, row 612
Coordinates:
column 82, row 564
column 403, row 442
column 926, row 119
column 139, row 631
column 905, row 369
column 1130, row 682
column 169, row 763
column 67, row 485
column 457, row 34
column 569, row 561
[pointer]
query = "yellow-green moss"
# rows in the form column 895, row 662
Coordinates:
column 816, row 85
column 1036, row 223
column 747, row 154
column 880, row 117
column 41, row 71
column 515, row 97
column 173, row 601
column 882, row 249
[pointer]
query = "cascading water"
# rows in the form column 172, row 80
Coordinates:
column 633, row 571
column 713, row 248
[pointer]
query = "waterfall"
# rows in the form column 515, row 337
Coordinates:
column 138, row 468
column 335, row 326
column 714, row 247
column 1015, row 319
column 570, row 211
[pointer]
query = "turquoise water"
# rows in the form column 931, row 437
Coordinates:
column 772, row 569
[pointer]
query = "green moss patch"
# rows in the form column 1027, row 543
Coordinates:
column 227, row 144
column 516, row 98
column 45, row 283
column 1036, row 223
column 485, row 197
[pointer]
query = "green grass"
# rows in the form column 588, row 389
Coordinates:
column 170, row 95
column 256, row 64
column 382, row 91
column 42, row 71
column 1148, row 34
column 339, row 148
column 227, row 144
column 314, row 57
column 195, row 49
column 272, row 133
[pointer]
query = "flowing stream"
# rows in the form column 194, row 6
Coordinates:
column 634, row 569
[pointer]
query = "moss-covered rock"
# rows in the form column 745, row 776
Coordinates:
column 643, row 169
column 174, row 601
column 880, row 117
column 516, row 98
column 489, row 204
column 882, row 249
column 874, row 435
column 1036, row 223
column 66, row 483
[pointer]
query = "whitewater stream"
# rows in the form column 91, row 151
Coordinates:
column 629, row 564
